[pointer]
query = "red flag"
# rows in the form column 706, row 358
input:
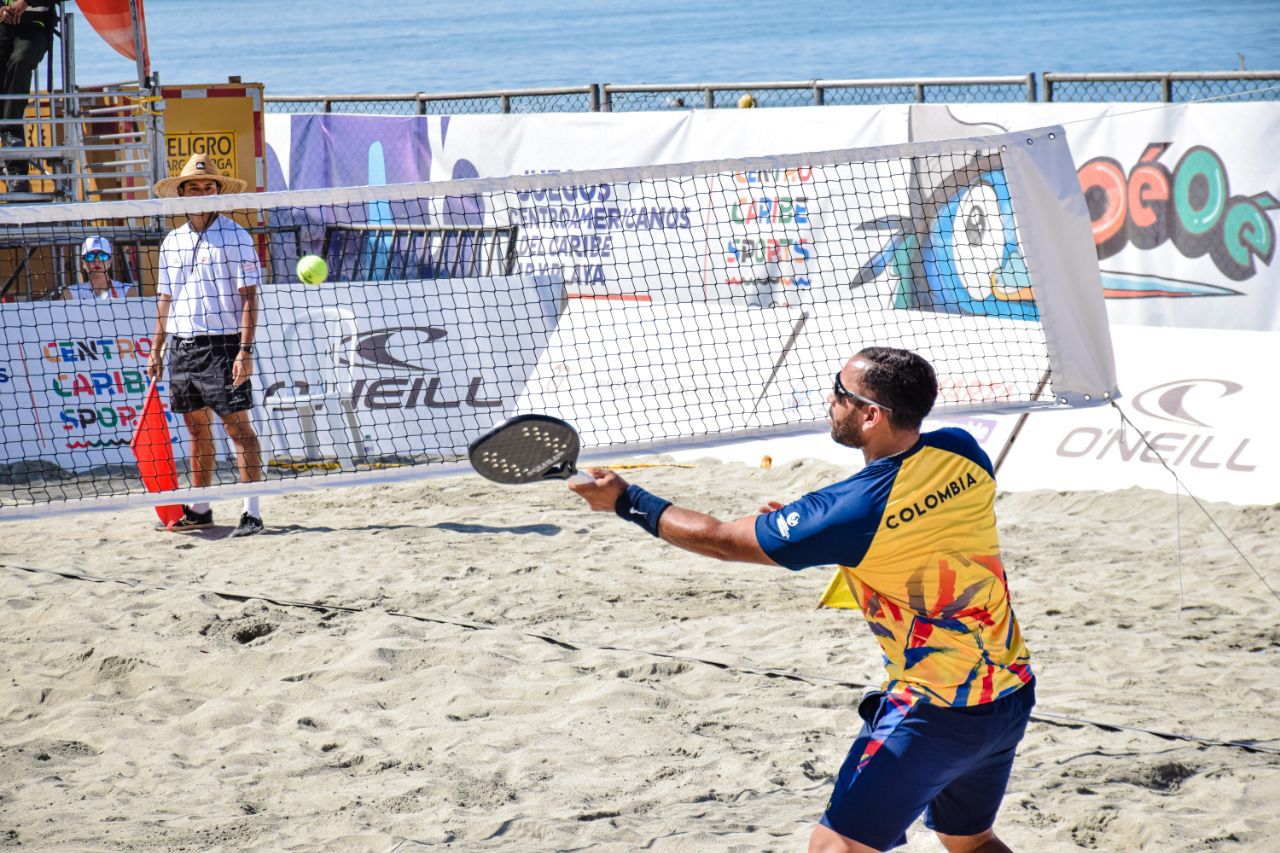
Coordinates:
column 115, row 23
column 152, row 446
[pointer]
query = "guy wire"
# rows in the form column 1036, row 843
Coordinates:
column 1125, row 419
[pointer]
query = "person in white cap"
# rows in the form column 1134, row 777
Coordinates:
column 95, row 261
column 207, row 287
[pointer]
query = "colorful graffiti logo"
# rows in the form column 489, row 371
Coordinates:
column 960, row 254
column 1190, row 206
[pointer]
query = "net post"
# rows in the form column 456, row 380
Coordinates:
column 1017, row 428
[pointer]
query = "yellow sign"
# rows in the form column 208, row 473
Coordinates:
column 224, row 120
column 219, row 144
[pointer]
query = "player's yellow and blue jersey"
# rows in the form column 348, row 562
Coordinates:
column 914, row 540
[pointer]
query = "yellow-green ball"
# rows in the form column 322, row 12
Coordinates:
column 312, row 269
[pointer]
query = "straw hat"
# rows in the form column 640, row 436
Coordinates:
column 199, row 166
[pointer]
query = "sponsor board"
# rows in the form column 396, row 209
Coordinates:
column 72, row 394
column 72, row 380
column 1183, row 200
column 1205, row 414
column 1183, row 212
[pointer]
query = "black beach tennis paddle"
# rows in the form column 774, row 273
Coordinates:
column 527, row 449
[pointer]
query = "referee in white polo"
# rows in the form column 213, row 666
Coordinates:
column 208, row 297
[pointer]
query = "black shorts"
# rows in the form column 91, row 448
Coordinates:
column 200, row 375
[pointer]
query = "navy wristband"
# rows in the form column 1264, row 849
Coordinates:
column 639, row 507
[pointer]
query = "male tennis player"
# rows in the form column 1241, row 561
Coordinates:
column 914, row 537
column 208, row 288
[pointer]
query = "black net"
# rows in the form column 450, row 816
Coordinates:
column 645, row 306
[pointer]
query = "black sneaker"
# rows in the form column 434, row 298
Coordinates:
column 249, row 526
column 191, row 520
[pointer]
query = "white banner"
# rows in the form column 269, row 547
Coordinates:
column 1183, row 198
column 1184, row 202
column 1207, row 414
column 72, row 381
column 321, row 151
column 419, row 385
column 389, row 384
column 1183, row 210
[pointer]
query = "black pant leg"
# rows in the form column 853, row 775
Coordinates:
column 26, row 46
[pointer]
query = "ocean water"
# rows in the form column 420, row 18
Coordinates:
column 313, row 47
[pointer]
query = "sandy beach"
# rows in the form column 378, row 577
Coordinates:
column 497, row 668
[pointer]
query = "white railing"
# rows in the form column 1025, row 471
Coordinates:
column 89, row 145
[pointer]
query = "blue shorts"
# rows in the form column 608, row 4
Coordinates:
column 950, row 763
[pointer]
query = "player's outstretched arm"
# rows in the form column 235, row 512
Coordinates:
column 706, row 535
column 685, row 528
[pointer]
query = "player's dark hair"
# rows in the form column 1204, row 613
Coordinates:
column 903, row 381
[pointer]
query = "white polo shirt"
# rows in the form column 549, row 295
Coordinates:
column 203, row 273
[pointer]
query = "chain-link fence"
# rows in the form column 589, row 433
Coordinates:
column 617, row 98
column 1174, row 86
column 1180, row 86
column 568, row 100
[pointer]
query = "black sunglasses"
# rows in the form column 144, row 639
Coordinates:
column 842, row 391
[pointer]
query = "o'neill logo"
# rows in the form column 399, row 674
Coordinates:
column 1167, row 402
column 1190, row 205
column 1182, row 402
column 404, row 350
column 392, row 348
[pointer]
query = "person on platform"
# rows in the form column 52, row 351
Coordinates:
column 26, row 30
column 207, row 286
column 913, row 536
column 95, row 261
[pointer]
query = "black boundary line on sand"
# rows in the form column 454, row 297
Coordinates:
column 1047, row 718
